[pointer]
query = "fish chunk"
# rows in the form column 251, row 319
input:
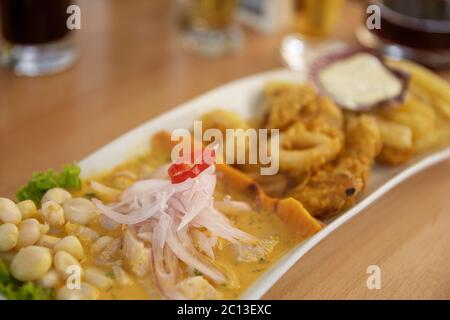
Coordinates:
column 198, row 288
column 255, row 252
column 137, row 256
column 109, row 254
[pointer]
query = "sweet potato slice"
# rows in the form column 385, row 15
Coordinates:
column 289, row 210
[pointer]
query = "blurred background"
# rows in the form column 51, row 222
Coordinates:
column 77, row 74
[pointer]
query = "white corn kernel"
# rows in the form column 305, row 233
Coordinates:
column 29, row 233
column 59, row 195
column 63, row 261
column 50, row 280
column 31, row 263
column 53, row 213
column 79, row 210
column 47, row 241
column 27, row 209
column 86, row 292
column 71, row 245
column 9, row 212
column 9, row 235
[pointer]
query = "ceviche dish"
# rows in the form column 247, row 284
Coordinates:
column 158, row 228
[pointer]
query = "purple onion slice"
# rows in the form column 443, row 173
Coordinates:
column 359, row 80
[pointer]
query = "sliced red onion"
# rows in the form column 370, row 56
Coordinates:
column 218, row 224
column 165, row 273
column 232, row 206
column 204, row 243
column 177, row 248
column 167, row 215
column 161, row 230
column 130, row 218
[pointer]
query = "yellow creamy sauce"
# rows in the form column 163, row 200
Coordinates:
column 264, row 225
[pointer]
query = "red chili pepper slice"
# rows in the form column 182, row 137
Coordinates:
column 180, row 172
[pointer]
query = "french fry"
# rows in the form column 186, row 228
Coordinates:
column 420, row 93
column 395, row 135
column 436, row 138
column 424, row 78
column 443, row 107
column 413, row 114
column 425, row 81
column 393, row 156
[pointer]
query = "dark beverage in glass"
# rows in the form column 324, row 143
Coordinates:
column 413, row 29
column 36, row 39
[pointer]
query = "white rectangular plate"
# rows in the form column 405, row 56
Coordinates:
column 242, row 96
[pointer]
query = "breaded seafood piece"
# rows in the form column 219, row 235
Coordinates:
column 303, row 150
column 284, row 101
column 311, row 127
column 289, row 103
column 336, row 186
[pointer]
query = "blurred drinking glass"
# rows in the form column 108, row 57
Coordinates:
column 210, row 26
column 35, row 37
column 317, row 18
column 314, row 22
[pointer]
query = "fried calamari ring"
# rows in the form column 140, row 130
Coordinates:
column 303, row 150
column 337, row 185
column 310, row 125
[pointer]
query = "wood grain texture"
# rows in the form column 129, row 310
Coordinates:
column 131, row 68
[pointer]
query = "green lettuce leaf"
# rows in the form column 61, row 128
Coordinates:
column 40, row 182
column 12, row 289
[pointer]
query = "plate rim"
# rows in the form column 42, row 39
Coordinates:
column 256, row 290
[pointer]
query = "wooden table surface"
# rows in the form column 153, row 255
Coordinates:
column 132, row 68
